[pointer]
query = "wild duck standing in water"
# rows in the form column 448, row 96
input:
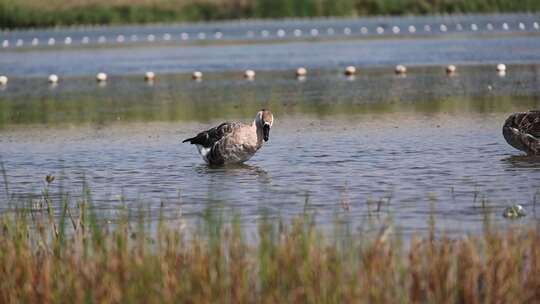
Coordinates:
column 522, row 131
column 233, row 142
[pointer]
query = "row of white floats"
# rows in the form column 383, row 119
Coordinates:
column 250, row 74
column 280, row 33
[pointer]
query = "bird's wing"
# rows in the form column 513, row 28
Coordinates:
column 529, row 123
column 208, row 138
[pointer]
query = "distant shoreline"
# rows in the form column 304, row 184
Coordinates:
column 20, row 14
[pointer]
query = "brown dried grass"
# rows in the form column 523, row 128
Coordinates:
column 290, row 263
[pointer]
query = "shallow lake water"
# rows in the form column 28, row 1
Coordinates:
column 367, row 149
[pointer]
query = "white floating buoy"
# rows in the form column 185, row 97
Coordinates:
column 501, row 69
column 101, row 77
column 400, row 69
column 3, row 80
column 149, row 76
column 451, row 69
column 196, row 75
column 53, row 78
column 350, row 70
column 301, row 72
column 249, row 74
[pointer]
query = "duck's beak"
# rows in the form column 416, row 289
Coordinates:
column 266, row 131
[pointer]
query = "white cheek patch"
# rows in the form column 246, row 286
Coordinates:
column 204, row 152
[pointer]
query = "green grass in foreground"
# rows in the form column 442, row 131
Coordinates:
column 71, row 259
column 37, row 13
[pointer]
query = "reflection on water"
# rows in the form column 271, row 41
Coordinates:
column 369, row 149
column 233, row 169
column 523, row 161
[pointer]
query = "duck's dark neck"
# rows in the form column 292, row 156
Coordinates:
column 259, row 131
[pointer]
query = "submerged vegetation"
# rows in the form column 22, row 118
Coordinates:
column 174, row 98
column 68, row 255
column 33, row 13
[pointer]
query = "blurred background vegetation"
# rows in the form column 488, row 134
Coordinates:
column 38, row 13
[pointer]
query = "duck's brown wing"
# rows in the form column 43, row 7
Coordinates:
column 522, row 131
column 529, row 123
column 208, row 138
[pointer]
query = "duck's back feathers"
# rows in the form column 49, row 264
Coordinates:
column 522, row 131
column 208, row 138
column 526, row 122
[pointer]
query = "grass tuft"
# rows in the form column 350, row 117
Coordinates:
column 74, row 257
column 34, row 13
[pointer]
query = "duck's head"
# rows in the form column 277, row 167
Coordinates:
column 264, row 121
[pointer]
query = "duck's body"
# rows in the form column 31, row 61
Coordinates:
column 522, row 131
column 233, row 142
column 230, row 142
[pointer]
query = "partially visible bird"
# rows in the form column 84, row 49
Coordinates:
column 522, row 131
column 233, row 142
